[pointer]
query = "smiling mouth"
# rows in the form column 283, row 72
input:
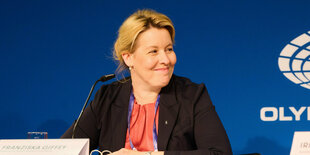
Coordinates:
column 162, row 69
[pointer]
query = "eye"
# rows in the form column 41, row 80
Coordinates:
column 152, row 51
column 170, row 49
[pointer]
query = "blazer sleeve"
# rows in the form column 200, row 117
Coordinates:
column 209, row 133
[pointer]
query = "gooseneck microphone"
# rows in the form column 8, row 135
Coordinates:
column 102, row 79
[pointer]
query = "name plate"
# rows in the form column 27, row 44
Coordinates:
column 301, row 143
column 44, row 147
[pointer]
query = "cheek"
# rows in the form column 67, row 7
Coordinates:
column 147, row 62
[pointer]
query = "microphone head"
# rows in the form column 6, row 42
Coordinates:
column 106, row 77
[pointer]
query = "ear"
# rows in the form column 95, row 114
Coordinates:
column 128, row 58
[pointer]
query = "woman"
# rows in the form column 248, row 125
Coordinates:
column 152, row 112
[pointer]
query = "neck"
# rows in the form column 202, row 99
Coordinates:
column 143, row 93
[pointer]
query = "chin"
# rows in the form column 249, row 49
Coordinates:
column 164, row 82
column 161, row 81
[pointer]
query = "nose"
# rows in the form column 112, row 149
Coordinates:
column 163, row 58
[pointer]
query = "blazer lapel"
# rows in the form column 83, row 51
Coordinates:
column 168, row 114
column 119, row 120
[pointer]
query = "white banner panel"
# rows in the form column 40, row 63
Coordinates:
column 301, row 143
column 44, row 147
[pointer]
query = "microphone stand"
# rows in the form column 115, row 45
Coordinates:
column 102, row 79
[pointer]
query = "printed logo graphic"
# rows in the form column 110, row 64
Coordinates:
column 294, row 60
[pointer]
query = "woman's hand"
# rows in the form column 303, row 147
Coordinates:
column 124, row 151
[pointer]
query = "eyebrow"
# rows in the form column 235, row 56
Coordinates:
column 153, row 46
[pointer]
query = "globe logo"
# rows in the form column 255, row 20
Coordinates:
column 294, row 60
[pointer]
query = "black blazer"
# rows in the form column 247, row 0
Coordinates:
column 188, row 123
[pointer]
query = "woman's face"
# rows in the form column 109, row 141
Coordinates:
column 153, row 59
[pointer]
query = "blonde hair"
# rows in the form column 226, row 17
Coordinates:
column 135, row 24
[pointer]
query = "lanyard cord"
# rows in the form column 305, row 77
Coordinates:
column 130, row 108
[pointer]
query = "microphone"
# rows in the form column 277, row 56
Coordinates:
column 106, row 77
column 102, row 79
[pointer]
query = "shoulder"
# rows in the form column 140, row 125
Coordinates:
column 188, row 91
column 114, row 86
column 186, row 85
column 183, row 80
column 109, row 92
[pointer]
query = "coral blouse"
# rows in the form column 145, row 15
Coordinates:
column 141, row 127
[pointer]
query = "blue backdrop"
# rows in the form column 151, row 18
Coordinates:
column 52, row 52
